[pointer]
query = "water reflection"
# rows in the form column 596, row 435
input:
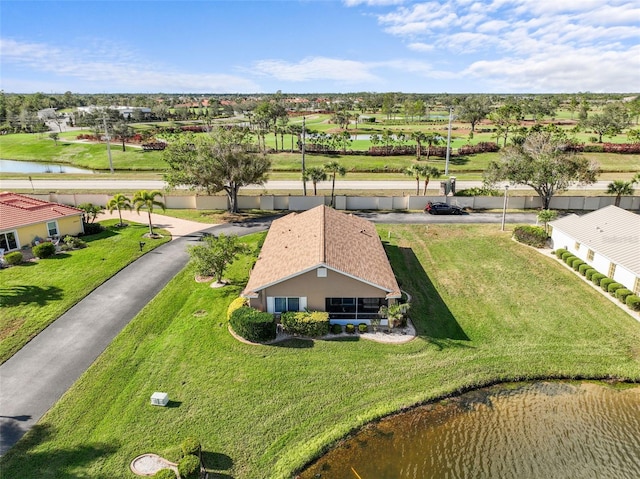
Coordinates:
column 533, row 430
column 14, row 166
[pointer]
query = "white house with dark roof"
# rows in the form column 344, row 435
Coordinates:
column 323, row 260
column 608, row 239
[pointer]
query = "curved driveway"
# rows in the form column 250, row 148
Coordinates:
column 39, row 374
column 33, row 379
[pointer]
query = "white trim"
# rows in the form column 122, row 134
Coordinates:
column 302, row 305
column 15, row 236
column 56, row 226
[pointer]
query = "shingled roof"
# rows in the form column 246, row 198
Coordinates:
column 322, row 237
column 20, row 210
column 610, row 231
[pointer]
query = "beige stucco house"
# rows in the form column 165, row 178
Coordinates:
column 24, row 220
column 323, row 260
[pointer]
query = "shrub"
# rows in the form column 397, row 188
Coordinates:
column 73, row 242
column 350, row 328
column 189, row 467
column 165, row 474
column 336, row 329
column 583, row 268
column 304, row 323
column 596, row 277
column 568, row 259
column 572, row 259
column 190, row 446
column 633, row 302
column 559, row 252
column 253, row 325
column 531, row 235
column 589, row 273
column 566, row 254
column 44, row 250
column 577, row 263
column 13, row 258
column 92, row 228
column 235, row 304
column 613, row 287
column 363, row 327
column 622, row 294
column 604, row 284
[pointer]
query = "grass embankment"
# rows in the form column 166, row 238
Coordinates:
column 36, row 293
column 486, row 309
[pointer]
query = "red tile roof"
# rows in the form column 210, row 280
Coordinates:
column 20, row 210
column 322, row 236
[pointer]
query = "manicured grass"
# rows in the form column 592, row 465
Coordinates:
column 39, row 147
column 486, row 309
column 36, row 293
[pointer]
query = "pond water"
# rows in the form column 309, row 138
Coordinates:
column 14, row 166
column 525, row 430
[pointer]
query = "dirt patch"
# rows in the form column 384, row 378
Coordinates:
column 149, row 464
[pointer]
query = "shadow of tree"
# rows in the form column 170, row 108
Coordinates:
column 429, row 313
column 28, row 294
column 217, row 461
column 295, row 343
column 23, row 461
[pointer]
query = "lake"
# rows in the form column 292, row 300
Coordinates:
column 14, row 166
column 525, row 430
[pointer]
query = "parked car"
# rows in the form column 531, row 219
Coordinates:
column 442, row 209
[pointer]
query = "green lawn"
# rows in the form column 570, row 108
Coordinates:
column 486, row 309
column 35, row 294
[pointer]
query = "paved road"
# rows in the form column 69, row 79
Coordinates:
column 124, row 185
column 42, row 371
column 36, row 376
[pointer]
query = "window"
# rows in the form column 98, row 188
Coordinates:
column 52, row 228
column 636, row 286
column 612, row 270
column 286, row 304
column 353, row 308
column 8, row 241
column 590, row 255
column 576, row 246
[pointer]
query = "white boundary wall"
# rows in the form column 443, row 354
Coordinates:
column 384, row 203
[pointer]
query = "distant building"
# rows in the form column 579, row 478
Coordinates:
column 608, row 239
column 125, row 111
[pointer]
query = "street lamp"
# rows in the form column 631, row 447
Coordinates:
column 504, row 207
column 446, row 164
column 304, row 174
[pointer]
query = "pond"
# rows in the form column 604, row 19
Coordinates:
column 525, row 430
column 14, row 166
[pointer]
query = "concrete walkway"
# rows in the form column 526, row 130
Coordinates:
column 41, row 372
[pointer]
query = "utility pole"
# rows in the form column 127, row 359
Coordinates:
column 304, row 179
column 106, row 135
column 446, row 164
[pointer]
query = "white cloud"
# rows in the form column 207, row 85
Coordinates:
column 117, row 70
column 316, row 68
column 372, row 3
column 421, row 47
column 564, row 71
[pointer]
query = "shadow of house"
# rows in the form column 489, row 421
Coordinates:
column 429, row 313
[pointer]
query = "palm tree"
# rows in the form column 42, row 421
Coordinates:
column 119, row 202
column 418, row 137
column 147, row 199
column 430, row 172
column 415, row 171
column 334, row 168
column 315, row 174
column 432, row 139
column 619, row 188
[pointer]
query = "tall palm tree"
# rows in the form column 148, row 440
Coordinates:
column 416, row 171
column 315, row 174
column 418, row 137
column 428, row 173
column 119, row 202
column 619, row 188
column 334, row 168
column 147, row 199
column 432, row 138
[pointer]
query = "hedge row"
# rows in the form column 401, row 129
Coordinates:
column 304, row 323
column 618, row 290
column 253, row 325
column 531, row 235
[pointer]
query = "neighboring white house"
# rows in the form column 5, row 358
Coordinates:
column 608, row 239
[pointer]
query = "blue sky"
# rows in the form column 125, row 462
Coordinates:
column 320, row 46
